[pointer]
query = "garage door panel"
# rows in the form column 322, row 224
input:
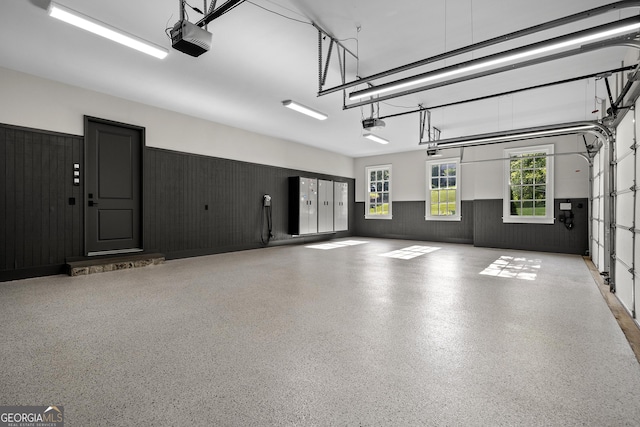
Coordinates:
column 637, row 254
column 595, row 256
column 624, row 209
column 600, row 159
column 637, row 285
column 598, row 255
column 625, row 173
column 624, row 285
column 624, row 136
column 624, row 246
column 636, row 281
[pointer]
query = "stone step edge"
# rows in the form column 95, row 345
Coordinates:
column 113, row 266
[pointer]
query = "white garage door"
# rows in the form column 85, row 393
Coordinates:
column 598, row 179
column 625, row 254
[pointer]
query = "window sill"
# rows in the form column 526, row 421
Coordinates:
column 377, row 216
column 443, row 218
column 527, row 220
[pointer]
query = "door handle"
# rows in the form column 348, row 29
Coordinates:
column 92, row 203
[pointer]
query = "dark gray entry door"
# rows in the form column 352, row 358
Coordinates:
column 113, row 187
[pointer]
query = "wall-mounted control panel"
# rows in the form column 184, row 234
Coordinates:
column 76, row 174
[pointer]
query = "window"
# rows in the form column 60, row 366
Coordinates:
column 378, row 192
column 443, row 194
column 529, row 185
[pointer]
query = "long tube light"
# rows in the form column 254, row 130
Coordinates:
column 624, row 26
column 304, row 109
column 530, row 133
column 376, row 138
column 618, row 5
column 92, row 25
column 511, row 92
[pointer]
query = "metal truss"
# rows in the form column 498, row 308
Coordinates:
column 433, row 133
column 325, row 55
column 620, row 5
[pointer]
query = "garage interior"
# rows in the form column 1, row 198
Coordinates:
column 321, row 213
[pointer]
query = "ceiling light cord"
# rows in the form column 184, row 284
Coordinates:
column 472, row 28
column 194, row 8
column 445, row 29
column 279, row 14
column 168, row 29
column 358, row 28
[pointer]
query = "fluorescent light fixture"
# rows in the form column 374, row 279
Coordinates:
column 535, row 134
column 512, row 136
column 607, row 31
column 87, row 23
column 376, row 138
column 304, row 110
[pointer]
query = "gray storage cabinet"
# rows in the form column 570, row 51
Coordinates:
column 341, row 206
column 325, row 206
column 303, row 205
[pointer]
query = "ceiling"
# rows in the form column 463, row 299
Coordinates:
column 260, row 58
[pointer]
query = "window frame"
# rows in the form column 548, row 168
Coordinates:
column 549, row 218
column 427, row 213
column 367, row 194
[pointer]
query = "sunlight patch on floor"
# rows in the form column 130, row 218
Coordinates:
column 514, row 268
column 410, row 252
column 334, row 245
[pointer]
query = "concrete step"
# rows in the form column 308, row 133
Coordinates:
column 91, row 265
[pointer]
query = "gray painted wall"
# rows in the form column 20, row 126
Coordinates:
column 481, row 225
column 408, row 223
column 178, row 186
column 40, row 229
column 490, row 231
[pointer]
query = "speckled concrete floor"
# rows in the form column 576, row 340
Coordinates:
column 305, row 336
